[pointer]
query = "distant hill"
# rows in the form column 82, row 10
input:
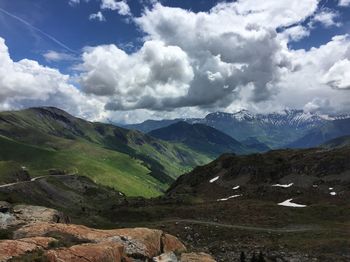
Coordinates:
column 150, row 125
column 201, row 138
column 321, row 134
column 337, row 142
column 275, row 130
column 40, row 139
column 255, row 144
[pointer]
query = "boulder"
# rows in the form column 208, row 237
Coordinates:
column 32, row 214
column 172, row 244
column 106, row 252
column 16, row 248
column 7, row 220
column 196, row 257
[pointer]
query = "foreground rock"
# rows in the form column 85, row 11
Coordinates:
column 16, row 248
column 24, row 214
column 88, row 252
column 63, row 242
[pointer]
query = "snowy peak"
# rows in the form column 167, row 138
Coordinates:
column 291, row 117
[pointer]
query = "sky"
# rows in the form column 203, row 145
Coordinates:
column 126, row 61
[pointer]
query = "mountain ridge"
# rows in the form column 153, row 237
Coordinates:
column 202, row 138
column 276, row 130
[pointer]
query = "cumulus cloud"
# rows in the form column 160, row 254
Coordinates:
column 295, row 33
column 27, row 83
column 120, row 6
column 233, row 47
column 338, row 75
column 236, row 56
column 98, row 16
column 326, row 17
column 141, row 80
column 317, row 75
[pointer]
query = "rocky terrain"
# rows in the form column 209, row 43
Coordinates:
column 41, row 234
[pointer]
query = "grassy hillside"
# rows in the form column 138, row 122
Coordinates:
column 48, row 138
column 200, row 138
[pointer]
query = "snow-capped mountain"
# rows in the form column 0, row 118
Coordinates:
column 273, row 129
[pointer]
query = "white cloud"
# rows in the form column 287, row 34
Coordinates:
column 120, row 6
column 141, row 80
column 98, row 16
column 26, row 83
column 219, row 73
column 232, row 59
column 295, row 33
column 54, row 56
column 316, row 78
column 338, row 75
column 326, row 17
column 344, row 2
column 74, row 2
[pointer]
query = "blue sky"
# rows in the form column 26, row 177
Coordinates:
column 184, row 78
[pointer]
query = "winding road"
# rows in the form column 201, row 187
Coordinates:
column 33, row 180
column 293, row 229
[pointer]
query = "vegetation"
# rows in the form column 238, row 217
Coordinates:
column 40, row 139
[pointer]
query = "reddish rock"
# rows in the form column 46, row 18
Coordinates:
column 15, row 248
column 196, row 257
column 106, row 252
column 172, row 244
column 138, row 242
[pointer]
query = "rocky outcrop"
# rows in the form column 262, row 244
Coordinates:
column 16, row 248
column 39, row 233
column 138, row 242
column 24, row 214
column 117, row 245
column 109, row 252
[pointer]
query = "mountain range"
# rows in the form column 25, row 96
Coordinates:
column 275, row 130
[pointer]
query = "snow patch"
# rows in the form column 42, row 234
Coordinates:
column 214, row 179
column 331, row 188
column 235, row 188
column 289, row 203
column 227, row 198
column 314, row 185
column 284, row 186
column 333, row 193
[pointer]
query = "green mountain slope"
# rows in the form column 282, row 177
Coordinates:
column 48, row 138
column 202, row 138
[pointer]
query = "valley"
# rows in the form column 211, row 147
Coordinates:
column 215, row 194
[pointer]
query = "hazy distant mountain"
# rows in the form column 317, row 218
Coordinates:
column 202, row 138
column 274, row 130
column 337, row 142
column 319, row 135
